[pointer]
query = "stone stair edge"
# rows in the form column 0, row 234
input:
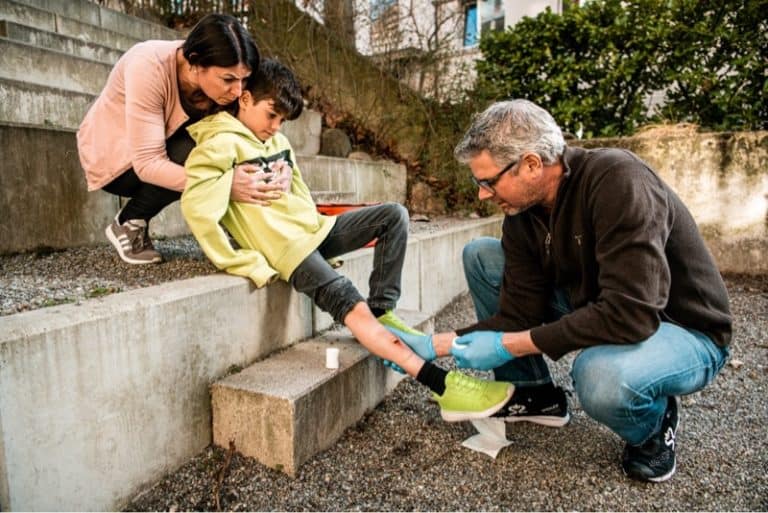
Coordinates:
column 496, row 218
column 55, row 52
column 60, row 316
column 365, row 163
column 64, row 25
column 300, row 157
column 97, row 10
column 239, row 380
column 75, row 40
column 41, row 320
column 15, row 124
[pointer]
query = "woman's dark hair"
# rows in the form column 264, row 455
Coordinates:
column 274, row 81
column 220, row 40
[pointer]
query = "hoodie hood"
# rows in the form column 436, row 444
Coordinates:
column 216, row 124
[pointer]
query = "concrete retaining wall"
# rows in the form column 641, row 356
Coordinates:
column 44, row 201
column 100, row 399
column 723, row 179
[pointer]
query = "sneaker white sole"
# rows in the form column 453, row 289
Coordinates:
column 544, row 420
column 459, row 416
column 123, row 256
column 661, row 479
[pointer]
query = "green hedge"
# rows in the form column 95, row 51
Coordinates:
column 596, row 67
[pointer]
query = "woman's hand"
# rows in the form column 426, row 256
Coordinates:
column 283, row 174
column 250, row 185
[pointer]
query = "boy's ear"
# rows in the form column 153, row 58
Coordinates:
column 245, row 98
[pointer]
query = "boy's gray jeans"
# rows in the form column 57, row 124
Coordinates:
column 334, row 293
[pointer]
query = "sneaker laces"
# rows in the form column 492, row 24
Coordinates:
column 137, row 235
column 468, row 382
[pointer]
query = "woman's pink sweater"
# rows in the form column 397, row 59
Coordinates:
column 129, row 122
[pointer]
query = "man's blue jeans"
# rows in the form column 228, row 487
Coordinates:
column 624, row 386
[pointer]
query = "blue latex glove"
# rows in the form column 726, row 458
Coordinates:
column 480, row 350
column 419, row 344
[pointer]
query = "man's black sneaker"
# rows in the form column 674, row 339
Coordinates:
column 655, row 459
column 541, row 404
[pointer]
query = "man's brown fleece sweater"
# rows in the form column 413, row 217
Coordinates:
column 624, row 247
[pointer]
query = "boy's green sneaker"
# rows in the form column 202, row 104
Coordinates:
column 468, row 398
column 393, row 321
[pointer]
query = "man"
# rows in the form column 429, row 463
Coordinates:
column 598, row 255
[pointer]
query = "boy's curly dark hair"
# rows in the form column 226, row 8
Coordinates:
column 276, row 82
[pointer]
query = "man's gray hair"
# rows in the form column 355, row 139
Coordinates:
column 510, row 128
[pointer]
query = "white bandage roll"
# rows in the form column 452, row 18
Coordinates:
column 332, row 358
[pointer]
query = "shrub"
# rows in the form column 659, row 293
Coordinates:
column 597, row 68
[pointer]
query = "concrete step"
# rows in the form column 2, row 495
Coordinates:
column 58, row 42
column 26, row 15
column 27, row 63
column 371, row 180
column 45, row 20
column 42, row 162
column 93, row 14
column 304, row 132
column 101, row 398
column 121, row 383
column 284, row 410
column 34, row 104
column 324, row 197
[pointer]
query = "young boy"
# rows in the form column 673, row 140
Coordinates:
column 287, row 238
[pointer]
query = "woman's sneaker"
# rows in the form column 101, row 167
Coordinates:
column 467, row 398
column 132, row 242
column 542, row 404
column 655, row 460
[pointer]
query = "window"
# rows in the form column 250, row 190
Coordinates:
column 379, row 6
column 491, row 16
column 470, row 25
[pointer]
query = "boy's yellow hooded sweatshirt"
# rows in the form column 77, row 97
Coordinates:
column 275, row 239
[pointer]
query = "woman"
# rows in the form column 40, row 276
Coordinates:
column 133, row 141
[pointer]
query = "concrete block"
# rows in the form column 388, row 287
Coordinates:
column 284, row 410
column 372, row 181
column 33, row 104
column 26, row 15
column 304, row 132
column 169, row 223
column 44, row 201
column 98, row 35
column 94, row 14
column 101, row 398
column 27, row 63
column 321, row 197
column 53, row 41
column 358, row 266
column 442, row 274
column 124, row 24
column 83, row 10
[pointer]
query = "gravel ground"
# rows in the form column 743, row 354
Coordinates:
column 402, row 456
column 46, row 278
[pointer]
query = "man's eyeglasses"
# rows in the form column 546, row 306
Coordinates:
column 488, row 183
